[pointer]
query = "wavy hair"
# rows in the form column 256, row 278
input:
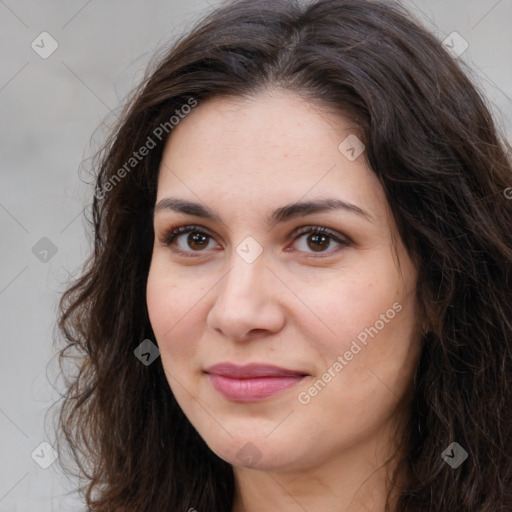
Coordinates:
column 445, row 169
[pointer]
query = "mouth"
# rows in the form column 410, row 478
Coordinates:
column 253, row 382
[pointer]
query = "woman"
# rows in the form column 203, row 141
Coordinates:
column 300, row 291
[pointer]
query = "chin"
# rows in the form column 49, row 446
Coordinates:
column 255, row 452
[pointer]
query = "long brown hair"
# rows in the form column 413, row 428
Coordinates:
column 432, row 143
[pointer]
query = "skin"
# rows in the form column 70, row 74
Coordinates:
column 299, row 305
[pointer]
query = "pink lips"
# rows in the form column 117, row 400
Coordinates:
column 252, row 382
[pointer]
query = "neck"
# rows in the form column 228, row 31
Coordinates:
column 357, row 479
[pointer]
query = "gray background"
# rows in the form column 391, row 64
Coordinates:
column 50, row 109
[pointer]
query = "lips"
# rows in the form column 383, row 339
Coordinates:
column 253, row 382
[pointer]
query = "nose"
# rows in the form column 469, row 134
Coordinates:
column 247, row 304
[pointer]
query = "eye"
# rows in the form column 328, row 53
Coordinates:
column 308, row 239
column 197, row 239
column 317, row 239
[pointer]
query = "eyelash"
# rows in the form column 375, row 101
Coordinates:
column 174, row 232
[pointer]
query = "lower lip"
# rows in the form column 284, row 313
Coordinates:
column 252, row 390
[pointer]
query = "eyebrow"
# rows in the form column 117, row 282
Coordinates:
column 282, row 214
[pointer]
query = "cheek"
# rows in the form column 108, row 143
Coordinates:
column 344, row 309
column 173, row 309
column 374, row 324
column 360, row 383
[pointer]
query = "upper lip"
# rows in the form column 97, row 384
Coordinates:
column 251, row 371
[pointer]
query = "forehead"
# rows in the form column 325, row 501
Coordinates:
column 262, row 150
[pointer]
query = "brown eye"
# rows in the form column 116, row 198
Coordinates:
column 197, row 241
column 318, row 240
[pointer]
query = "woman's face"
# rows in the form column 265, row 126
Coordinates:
column 313, row 332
